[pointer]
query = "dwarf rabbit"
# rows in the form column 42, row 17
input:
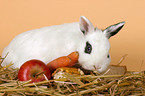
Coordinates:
column 49, row 43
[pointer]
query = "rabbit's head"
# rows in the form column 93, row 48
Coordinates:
column 95, row 46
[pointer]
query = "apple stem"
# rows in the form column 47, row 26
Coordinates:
column 40, row 73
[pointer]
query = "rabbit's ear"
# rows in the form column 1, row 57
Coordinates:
column 85, row 25
column 113, row 29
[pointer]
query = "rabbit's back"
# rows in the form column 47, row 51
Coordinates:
column 44, row 44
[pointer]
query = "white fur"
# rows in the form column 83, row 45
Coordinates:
column 49, row 43
column 98, row 57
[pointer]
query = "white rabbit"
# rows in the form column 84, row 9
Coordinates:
column 49, row 43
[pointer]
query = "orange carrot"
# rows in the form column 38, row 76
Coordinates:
column 59, row 62
column 64, row 61
column 74, row 58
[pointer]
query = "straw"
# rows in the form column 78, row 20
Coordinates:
column 131, row 83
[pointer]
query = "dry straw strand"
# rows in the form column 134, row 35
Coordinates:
column 131, row 83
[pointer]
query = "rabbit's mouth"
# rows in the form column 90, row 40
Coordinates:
column 96, row 67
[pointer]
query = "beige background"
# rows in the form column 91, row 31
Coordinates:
column 17, row 16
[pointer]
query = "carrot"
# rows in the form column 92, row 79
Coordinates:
column 59, row 62
column 64, row 61
column 74, row 58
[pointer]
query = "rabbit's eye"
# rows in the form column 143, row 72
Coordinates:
column 88, row 48
column 108, row 56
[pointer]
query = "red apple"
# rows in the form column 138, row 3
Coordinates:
column 35, row 70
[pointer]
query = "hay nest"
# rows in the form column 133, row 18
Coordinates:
column 131, row 83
